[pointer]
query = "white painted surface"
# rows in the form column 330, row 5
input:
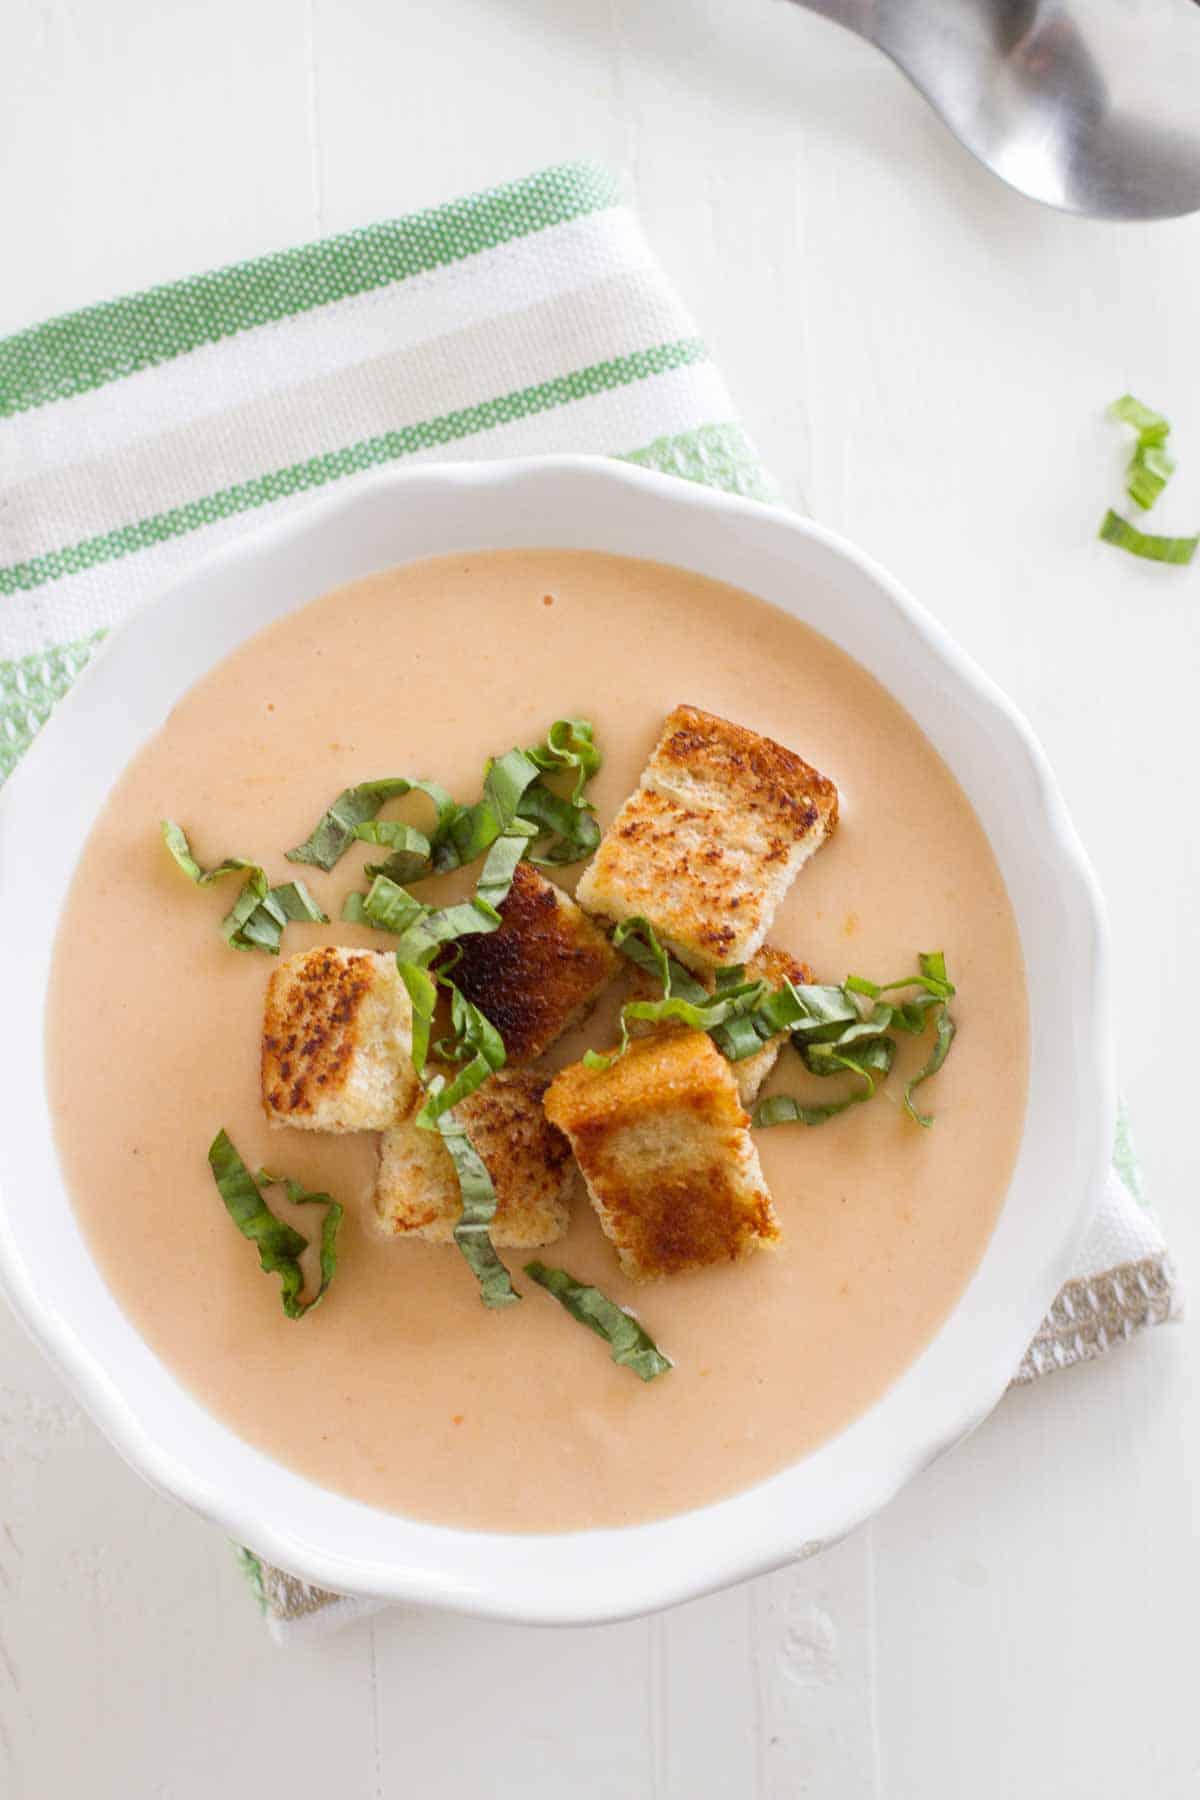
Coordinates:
column 923, row 358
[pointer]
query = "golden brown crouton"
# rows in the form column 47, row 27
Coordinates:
column 667, row 1155
column 417, row 1192
column 711, row 840
column 536, row 975
column 337, row 1041
column 772, row 965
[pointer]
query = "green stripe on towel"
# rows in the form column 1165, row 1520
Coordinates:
column 30, row 689
column 98, row 344
column 333, row 465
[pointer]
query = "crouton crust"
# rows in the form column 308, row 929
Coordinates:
column 712, row 838
column 337, row 1041
column 698, row 751
column 540, row 970
column 772, row 965
column 417, row 1192
column 665, row 1150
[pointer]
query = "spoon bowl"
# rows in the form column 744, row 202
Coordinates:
column 1091, row 106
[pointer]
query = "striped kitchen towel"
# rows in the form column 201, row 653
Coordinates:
column 139, row 434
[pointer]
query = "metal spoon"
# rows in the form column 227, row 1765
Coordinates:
column 1088, row 105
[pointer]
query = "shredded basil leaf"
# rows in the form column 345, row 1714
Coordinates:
column 422, row 993
column 422, row 930
column 336, row 829
column 944, row 1031
column 471, row 1234
column 837, row 1036
column 175, row 838
column 257, row 917
column 566, row 833
column 565, row 829
column 1151, row 426
column 866, row 1058
column 1118, row 531
column 475, row 1042
column 389, row 907
column 411, row 856
column 423, row 939
column 500, row 863
column 630, row 1345
column 637, row 938
column 279, row 1246
column 569, row 744
column 783, row 1109
column 476, row 828
column 568, row 830
column 1150, row 470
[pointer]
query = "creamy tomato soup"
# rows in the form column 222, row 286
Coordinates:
column 401, row 1389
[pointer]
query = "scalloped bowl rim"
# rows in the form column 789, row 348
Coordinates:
column 586, row 1576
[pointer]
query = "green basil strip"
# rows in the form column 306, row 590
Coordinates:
column 422, row 940
column 631, row 1346
column 175, row 838
column 389, row 907
column 638, row 940
column 683, row 984
column 566, row 833
column 840, row 1038
column 463, row 833
column 422, row 993
column 1150, row 469
column 932, row 979
column 476, row 828
column 475, row 1042
column 411, row 855
column 740, row 1038
column 874, row 1059
column 422, row 930
column 944, row 1032
column 1150, row 426
column 808, row 1011
column 262, row 926
column 299, row 1195
column 500, row 863
column 1149, row 472
column 472, row 1234
column 257, row 917
column 1118, row 531
column 472, row 1035
column 783, row 1109
column 251, row 914
column 295, row 902
column 279, row 1246
column 336, row 829
column 473, row 1030
column 440, row 1100
column 569, row 744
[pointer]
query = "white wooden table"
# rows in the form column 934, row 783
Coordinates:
column 924, row 359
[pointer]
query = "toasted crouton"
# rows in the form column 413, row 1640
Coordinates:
column 666, row 1152
column 337, row 1042
column 417, row 1192
column 772, row 965
column 537, row 974
column 711, row 840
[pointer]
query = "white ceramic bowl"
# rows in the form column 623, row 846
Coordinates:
column 163, row 1431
